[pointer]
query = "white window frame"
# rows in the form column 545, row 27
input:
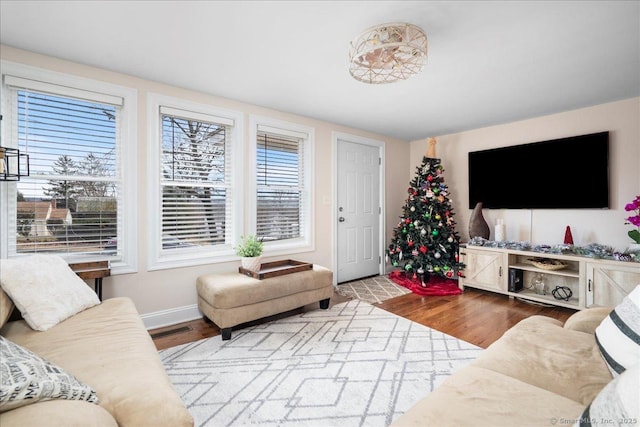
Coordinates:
column 158, row 258
column 72, row 86
column 305, row 243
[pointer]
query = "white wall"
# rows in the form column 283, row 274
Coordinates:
column 168, row 296
column 545, row 226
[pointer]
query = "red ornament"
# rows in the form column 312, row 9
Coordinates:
column 568, row 238
column 410, row 243
column 423, row 249
column 407, row 221
column 449, row 274
column 459, row 273
column 429, row 178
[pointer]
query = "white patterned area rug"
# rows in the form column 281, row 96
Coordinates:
column 351, row 365
column 372, row 289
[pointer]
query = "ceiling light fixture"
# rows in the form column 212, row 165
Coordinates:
column 388, row 52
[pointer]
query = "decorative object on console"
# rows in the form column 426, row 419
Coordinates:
column 618, row 256
column 563, row 293
column 634, row 220
column 538, row 283
column 515, row 280
column 592, row 250
column 568, row 238
column 500, row 231
column 387, row 53
column 250, row 249
column 478, row 227
column 548, row 263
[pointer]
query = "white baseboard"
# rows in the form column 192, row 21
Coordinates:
column 160, row 319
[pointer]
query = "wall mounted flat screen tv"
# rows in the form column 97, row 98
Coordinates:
column 567, row 173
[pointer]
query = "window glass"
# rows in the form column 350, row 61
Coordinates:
column 70, row 202
column 194, row 182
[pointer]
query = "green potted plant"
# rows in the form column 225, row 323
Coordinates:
column 250, row 251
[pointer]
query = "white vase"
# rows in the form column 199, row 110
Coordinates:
column 634, row 247
column 251, row 263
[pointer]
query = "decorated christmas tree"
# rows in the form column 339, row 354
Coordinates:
column 425, row 242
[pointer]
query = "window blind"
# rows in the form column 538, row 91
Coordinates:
column 280, row 184
column 195, row 179
column 70, row 203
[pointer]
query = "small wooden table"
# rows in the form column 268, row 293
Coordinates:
column 96, row 270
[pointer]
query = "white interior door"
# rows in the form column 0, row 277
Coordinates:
column 359, row 210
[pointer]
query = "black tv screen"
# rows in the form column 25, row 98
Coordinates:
column 567, row 173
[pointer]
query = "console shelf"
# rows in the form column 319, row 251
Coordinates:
column 592, row 282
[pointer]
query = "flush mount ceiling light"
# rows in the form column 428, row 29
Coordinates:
column 386, row 53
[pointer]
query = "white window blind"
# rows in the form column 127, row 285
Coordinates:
column 70, row 203
column 195, row 179
column 279, row 184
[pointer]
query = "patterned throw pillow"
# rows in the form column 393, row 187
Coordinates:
column 45, row 289
column 27, row 378
column 618, row 336
column 617, row 404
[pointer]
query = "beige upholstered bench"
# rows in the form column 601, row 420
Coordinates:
column 230, row 299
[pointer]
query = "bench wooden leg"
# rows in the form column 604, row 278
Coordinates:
column 226, row 333
column 324, row 304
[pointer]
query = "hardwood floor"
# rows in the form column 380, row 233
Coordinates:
column 476, row 316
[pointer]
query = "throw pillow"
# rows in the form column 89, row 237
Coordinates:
column 618, row 335
column 27, row 378
column 45, row 289
column 617, row 404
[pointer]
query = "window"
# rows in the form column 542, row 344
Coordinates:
column 73, row 203
column 195, row 197
column 282, row 184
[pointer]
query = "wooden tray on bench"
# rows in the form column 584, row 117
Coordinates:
column 277, row 268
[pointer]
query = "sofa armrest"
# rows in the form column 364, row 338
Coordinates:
column 587, row 320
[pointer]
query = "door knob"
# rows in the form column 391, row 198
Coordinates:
column 341, row 219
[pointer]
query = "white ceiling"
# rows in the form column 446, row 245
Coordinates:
column 489, row 62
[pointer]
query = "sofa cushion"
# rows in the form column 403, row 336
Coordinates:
column 617, row 403
column 67, row 413
column 481, row 397
column 28, row 378
column 540, row 352
column 6, row 307
column 109, row 347
column 618, row 336
column 587, row 320
column 45, row 289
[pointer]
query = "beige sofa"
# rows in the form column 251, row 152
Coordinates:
column 108, row 348
column 539, row 373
